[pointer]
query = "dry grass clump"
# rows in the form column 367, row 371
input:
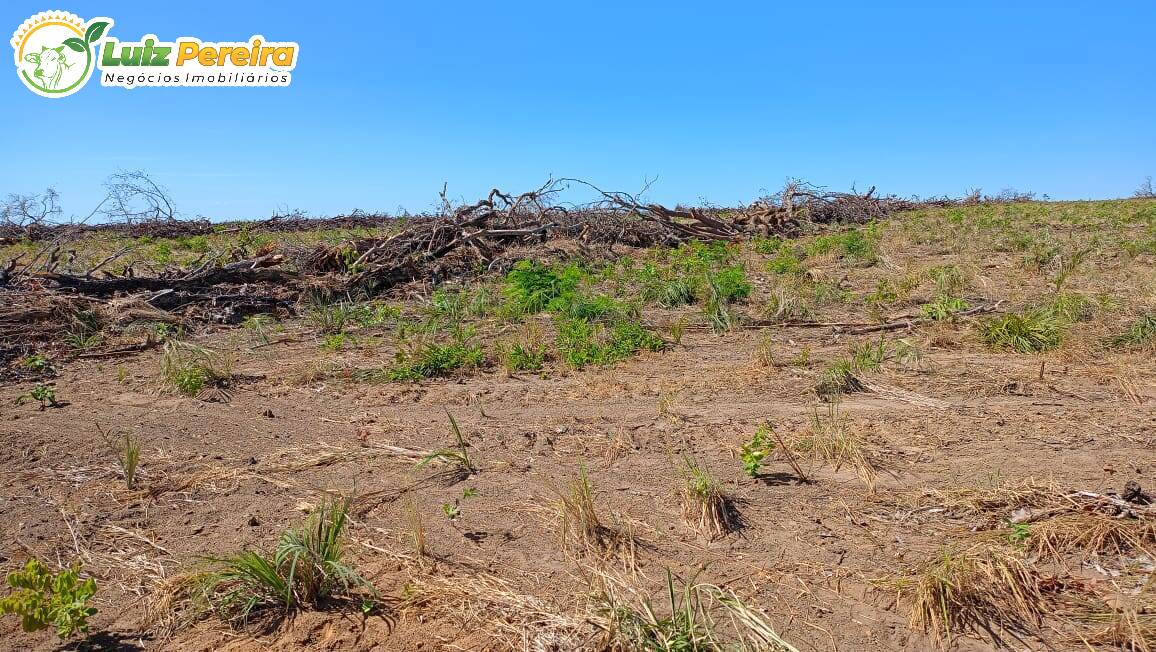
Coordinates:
column 1131, row 628
column 1091, row 533
column 583, row 532
column 995, row 494
column 832, row 441
column 982, row 589
column 705, row 506
column 514, row 620
column 195, row 371
column 695, row 617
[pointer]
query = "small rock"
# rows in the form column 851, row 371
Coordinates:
column 253, row 522
column 267, row 413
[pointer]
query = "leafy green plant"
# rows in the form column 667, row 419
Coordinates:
column 786, row 261
column 37, row 362
column 859, row 244
column 306, row 569
column 41, row 598
column 1019, row 533
column 42, row 393
column 943, row 307
column 767, row 246
column 433, row 360
column 1032, row 331
column 532, row 287
column 754, row 451
column 335, row 341
column 730, row 283
column 451, row 511
column 581, row 343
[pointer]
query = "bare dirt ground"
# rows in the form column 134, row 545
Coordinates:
column 819, row 558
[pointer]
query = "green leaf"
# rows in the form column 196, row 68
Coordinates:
column 95, row 31
column 76, row 44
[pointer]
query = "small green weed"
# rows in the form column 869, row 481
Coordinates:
column 43, row 393
column 943, row 307
column 755, row 450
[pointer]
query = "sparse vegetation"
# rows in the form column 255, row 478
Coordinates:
column 458, row 456
column 127, row 452
column 194, row 370
column 831, row 440
column 1142, row 333
column 945, row 430
column 582, row 530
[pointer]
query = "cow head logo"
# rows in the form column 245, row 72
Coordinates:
column 55, row 51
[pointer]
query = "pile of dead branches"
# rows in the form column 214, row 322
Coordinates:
column 456, row 241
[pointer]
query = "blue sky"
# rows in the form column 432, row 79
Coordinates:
column 720, row 102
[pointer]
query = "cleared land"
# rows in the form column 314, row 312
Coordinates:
column 934, row 429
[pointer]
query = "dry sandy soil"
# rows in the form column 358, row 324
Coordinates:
column 819, row 558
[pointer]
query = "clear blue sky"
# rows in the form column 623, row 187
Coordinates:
column 719, row 101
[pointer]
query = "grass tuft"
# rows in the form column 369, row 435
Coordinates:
column 705, row 505
column 583, row 532
column 306, row 570
column 1032, row 331
column 982, row 590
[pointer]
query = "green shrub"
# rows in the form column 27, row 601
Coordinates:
column 434, row 360
column 943, row 307
column 731, row 283
column 41, row 598
column 1024, row 332
column 532, row 287
column 581, row 343
column 786, row 261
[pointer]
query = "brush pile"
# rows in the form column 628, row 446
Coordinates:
column 43, row 291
